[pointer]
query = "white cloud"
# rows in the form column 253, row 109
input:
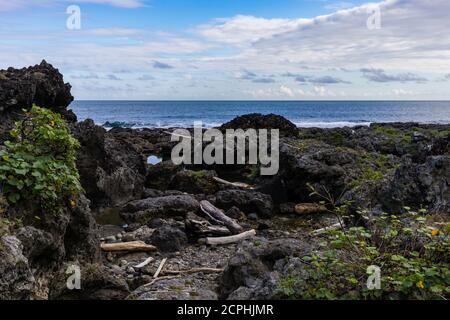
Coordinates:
column 402, row 92
column 323, row 92
column 413, row 35
column 287, row 91
column 241, row 29
column 283, row 92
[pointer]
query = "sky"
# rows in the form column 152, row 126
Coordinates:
column 235, row 49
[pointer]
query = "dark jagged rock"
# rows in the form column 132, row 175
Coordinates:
column 168, row 239
column 195, row 182
column 147, row 141
column 111, row 170
column 160, row 175
column 412, row 185
column 91, row 156
column 144, row 210
column 274, row 186
column 42, row 85
column 260, row 121
column 327, row 168
column 16, row 279
column 154, row 193
column 81, row 238
column 246, row 200
column 318, row 164
column 97, row 283
column 52, row 239
column 21, row 88
column 36, row 243
column 252, row 272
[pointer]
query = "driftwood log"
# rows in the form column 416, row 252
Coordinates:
column 310, row 208
column 240, row 185
column 231, row 239
column 143, row 264
column 202, row 228
column 218, row 215
column 133, row 246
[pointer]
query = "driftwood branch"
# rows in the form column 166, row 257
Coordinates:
column 218, row 214
column 231, row 239
column 201, row 227
column 240, row 185
column 161, row 266
column 133, row 246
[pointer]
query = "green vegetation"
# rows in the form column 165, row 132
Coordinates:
column 330, row 136
column 403, row 136
column 412, row 252
column 436, row 133
column 304, row 144
column 371, row 167
column 388, row 131
column 202, row 174
column 39, row 166
column 395, row 137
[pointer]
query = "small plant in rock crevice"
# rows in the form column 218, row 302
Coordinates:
column 38, row 167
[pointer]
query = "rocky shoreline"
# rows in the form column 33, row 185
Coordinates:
column 385, row 168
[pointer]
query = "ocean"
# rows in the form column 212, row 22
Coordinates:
column 324, row 114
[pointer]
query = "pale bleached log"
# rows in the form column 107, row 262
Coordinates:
column 322, row 230
column 143, row 264
column 231, row 239
column 218, row 214
column 240, row 185
column 133, row 246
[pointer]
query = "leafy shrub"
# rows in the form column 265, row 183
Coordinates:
column 412, row 252
column 39, row 166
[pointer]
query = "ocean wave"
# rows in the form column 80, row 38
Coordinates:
column 159, row 124
column 331, row 124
